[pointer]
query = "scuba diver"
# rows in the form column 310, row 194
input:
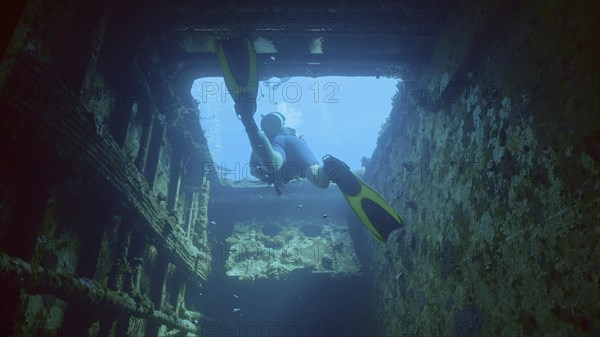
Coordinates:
column 279, row 155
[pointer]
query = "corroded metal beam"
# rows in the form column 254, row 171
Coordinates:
column 36, row 280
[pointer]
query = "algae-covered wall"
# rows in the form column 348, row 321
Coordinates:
column 492, row 156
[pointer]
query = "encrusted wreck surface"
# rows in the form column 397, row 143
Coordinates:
column 113, row 224
column 493, row 159
column 272, row 249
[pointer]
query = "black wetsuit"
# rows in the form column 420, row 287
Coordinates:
column 296, row 155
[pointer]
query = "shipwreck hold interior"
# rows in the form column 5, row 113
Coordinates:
column 114, row 222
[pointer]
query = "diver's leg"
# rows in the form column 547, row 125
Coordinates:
column 314, row 172
column 302, row 153
column 316, row 175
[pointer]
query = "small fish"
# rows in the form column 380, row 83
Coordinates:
column 212, row 223
column 325, row 215
column 235, row 296
column 236, row 309
column 300, row 206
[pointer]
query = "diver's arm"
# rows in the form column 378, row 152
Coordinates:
column 260, row 144
column 263, row 151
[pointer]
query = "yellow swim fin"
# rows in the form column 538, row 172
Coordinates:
column 370, row 207
column 238, row 62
